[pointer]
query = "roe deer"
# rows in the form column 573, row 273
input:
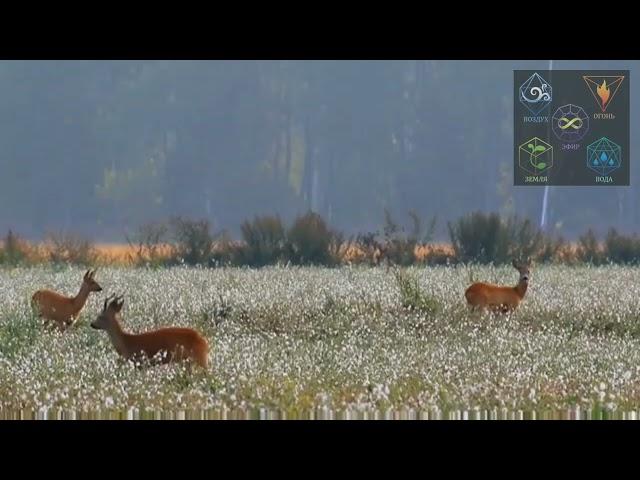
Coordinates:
column 61, row 309
column 497, row 298
column 171, row 344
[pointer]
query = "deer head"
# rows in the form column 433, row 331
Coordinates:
column 112, row 306
column 523, row 269
column 90, row 283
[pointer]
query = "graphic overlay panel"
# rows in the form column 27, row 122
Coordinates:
column 571, row 127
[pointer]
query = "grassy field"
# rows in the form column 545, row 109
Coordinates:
column 294, row 340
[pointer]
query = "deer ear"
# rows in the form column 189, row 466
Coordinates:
column 118, row 303
column 514, row 263
column 106, row 302
column 86, row 274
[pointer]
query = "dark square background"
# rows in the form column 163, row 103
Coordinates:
column 570, row 166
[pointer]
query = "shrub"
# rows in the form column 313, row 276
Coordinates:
column 148, row 245
column 486, row 238
column 525, row 240
column 14, row 250
column 412, row 297
column 621, row 248
column 480, row 238
column 337, row 247
column 225, row 251
column 439, row 256
column 589, row 250
column 551, row 250
column 310, row 241
column 399, row 248
column 194, row 241
column 265, row 240
column 64, row 247
column 359, row 249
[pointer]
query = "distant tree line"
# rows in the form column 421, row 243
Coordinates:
column 99, row 147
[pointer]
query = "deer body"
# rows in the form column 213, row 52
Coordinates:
column 499, row 298
column 60, row 309
column 164, row 345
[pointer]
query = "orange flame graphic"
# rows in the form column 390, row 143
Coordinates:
column 603, row 92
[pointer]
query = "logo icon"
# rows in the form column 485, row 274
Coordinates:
column 535, row 94
column 535, row 156
column 604, row 88
column 604, row 156
column 570, row 123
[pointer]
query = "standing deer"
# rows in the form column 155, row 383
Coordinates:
column 61, row 309
column 161, row 346
column 497, row 298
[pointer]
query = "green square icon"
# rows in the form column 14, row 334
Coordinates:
column 535, row 156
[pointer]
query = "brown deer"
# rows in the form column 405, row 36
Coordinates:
column 498, row 298
column 161, row 346
column 62, row 310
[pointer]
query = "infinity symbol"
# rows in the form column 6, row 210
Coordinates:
column 570, row 123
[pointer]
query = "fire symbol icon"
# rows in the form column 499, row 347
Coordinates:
column 604, row 88
column 604, row 93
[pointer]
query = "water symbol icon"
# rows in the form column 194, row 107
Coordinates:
column 603, row 158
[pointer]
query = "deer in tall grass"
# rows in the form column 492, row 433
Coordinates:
column 496, row 298
column 60, row 309
column 161, row 346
